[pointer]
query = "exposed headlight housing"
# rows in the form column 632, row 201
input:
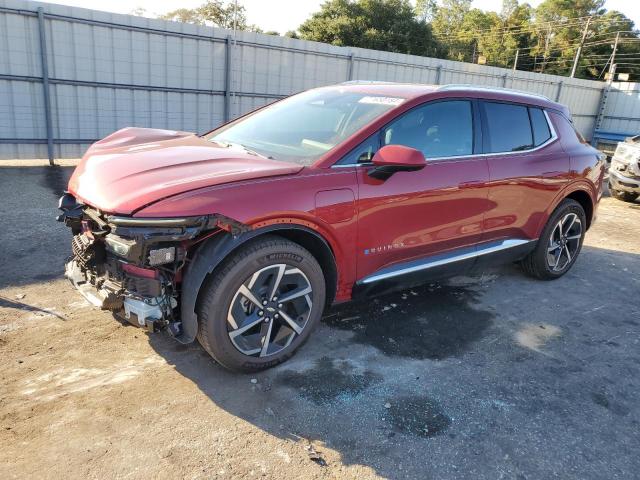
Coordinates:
column 118, row 245
column 160, row 256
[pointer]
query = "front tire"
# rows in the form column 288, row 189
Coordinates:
column 261, row 304
column 559, row 244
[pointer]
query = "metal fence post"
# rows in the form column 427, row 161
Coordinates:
column 559, row 92
column 504, row 80
column 438, row 73
column 227, row 80
column 352, row 60
column 45, row 84
column 602, row 107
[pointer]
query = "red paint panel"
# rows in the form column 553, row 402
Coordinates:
column 335, row 206
column 522, row 186
column 420, row 213
column 136, row 166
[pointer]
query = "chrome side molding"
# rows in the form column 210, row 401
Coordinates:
column 459, row 255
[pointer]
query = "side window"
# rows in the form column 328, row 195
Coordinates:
column 438, row 129
column 509, row 128
column 541, row 132
column 363, row 153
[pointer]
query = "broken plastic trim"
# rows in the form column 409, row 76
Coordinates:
column 157, row 222
column 206, row 221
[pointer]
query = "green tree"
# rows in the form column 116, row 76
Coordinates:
column 389, row 25
column 469, row 32
column 555, row 45
column 426, row 10
column 212, row 12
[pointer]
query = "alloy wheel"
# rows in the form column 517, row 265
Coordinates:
column 564, row 242
column 269, row 310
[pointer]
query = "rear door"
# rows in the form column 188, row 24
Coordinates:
column 419, row 214
column 527, row 168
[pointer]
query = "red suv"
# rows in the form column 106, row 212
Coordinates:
column 242, row 236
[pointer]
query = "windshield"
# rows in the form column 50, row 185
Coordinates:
column 303, row 127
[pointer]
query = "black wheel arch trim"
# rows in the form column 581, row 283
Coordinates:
column 209, row 256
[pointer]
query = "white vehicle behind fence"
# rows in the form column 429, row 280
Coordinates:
column 624, row 173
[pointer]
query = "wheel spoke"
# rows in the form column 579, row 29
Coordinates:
column 573, row 220
column 297, row 328
column 278, row 279
column 566, row 248
column 232, row 320
column 295, row 294
column 574, row 237
column 554, row 246
column 248, row 294
column 250, row 324
column 266, row 340
column 557, row 258
column 559, row 228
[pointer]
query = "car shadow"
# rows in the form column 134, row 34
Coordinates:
column 418, row 382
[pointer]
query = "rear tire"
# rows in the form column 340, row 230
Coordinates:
column 624, row 196
column 270, row 290
column 559, row 244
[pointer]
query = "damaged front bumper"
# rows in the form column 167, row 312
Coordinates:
column 103, row 298
column 133, row 266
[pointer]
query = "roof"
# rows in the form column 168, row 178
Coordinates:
column 414, row 90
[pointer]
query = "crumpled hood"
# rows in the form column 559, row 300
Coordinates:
column 135, row 167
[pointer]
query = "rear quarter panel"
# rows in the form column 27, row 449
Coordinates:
column 587, row 164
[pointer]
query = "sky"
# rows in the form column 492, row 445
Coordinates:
column 284, row 15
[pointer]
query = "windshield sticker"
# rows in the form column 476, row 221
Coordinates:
column 382, row 100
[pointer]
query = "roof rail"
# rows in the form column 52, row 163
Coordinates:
column 462, row 86
column 368, row 82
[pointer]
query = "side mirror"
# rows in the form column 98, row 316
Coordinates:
column 396, row 158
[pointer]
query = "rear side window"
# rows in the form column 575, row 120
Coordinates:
column 541, row 132
column 509, row 128
column 438, row 129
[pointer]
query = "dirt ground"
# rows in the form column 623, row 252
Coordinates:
column 492, row 376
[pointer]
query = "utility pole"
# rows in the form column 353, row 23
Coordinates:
column 546, row 48
column 612, row 67
column 515, row 62
column 584, row 35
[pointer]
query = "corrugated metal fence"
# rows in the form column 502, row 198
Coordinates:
column 69, row 76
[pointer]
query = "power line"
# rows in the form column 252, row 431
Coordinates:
column 533, row 28
column 539, row 25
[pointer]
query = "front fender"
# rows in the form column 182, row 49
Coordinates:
column 205, row 261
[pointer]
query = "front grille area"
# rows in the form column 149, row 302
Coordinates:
column 84, row 251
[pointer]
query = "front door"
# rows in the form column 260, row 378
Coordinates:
column 421, row 214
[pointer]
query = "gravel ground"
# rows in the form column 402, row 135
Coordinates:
column 491, row 376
